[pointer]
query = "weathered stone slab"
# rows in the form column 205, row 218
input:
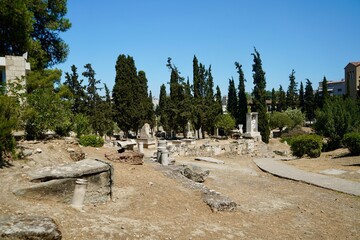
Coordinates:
column 218, row 202
column 129, row 157
column 58, row 183
column 74, row 170
column 194, row 173
column 28, row 227
column 210, row 160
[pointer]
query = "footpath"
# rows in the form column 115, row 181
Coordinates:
column 277, row 168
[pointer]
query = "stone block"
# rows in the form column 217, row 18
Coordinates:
column 28, row 227
column 129, row 157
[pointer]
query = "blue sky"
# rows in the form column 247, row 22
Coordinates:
column 316, row 38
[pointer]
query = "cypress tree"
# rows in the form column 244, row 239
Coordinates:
column 301, row 98
column 232, row 103
column 309, row 101
column 273, row 100
column 259, row 103
column 281, row 106
column 291, row 94
column 242, row 101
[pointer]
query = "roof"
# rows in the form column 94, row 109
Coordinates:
column 355, row 63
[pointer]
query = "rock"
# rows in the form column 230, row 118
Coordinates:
column 77, row 154
column 74, row 170
column 280, row 153
column 218, row 202
column 129, row 157
column 28, row 227
column 26, row 152
column 195, row 173
column 38, row 150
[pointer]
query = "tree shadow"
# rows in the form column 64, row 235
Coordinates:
column 5, row 164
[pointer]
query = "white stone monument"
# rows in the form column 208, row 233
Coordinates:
column 252, row 126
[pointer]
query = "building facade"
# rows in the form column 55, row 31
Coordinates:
column 13, row 68
column 352, row 78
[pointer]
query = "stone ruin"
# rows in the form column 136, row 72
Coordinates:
column 58, row 183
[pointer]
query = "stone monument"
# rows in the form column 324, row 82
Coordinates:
column 146, row 137
column 252, row 126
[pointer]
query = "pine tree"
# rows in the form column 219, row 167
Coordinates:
column 242, row 101
column 281, row 105
column 273, row 100
column 77, row 90
column 291, row 94
column 309, row 101
column 232, row 102
column 259, row 103
column 301, row 98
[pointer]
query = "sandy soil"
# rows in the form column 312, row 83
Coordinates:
column 149, row 205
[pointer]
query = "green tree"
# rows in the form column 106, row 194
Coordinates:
column 232, row 102
column 324, row 93
column 301, row 97
column 280, row 120
column 281, row 105
column 242, row 101
column 309, row 101
column 78, row 95
column 162, row 109
column 33, row 26
column 124, row 103
column 259, row 93
column 273, row 100
column 8, row 122
column 337, row 118
column 291, row 94
column 225, row 122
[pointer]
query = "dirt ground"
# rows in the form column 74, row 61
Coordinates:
column 149, row 205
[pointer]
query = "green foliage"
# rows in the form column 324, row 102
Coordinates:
column 81, row 124
column 296, row 116
column 338, row 117
column 281, row 105
column 34, row 27
column 232, row 103
column 91, row 140
column 45, row 110
column 242, row 101
column 259, row 103
column 225, row 122
column 8, row 122
column 280, row 120
column 291, row 94
column 352, row 142
column 310, row 145
column 309, row 101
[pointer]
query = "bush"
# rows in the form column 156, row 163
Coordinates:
column 91, row 140
column 352, row 142
column 306, row 144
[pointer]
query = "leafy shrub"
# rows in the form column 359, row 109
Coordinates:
column 8, row 122
column 352, row 142
column 91, row 140
column 306, row 144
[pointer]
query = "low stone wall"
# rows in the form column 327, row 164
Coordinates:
column 213, row 148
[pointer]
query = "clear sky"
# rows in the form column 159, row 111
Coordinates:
column 316, row 38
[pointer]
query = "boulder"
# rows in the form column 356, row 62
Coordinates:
column 218, row 202
column 195, row 173
column 129, row 157
column 28, row 227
